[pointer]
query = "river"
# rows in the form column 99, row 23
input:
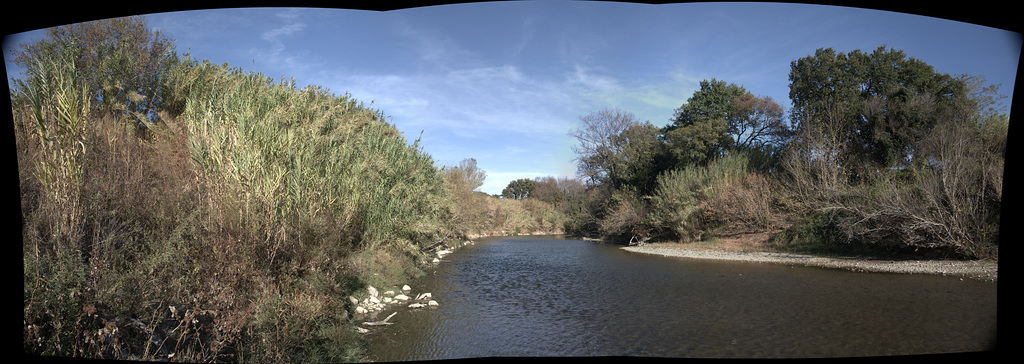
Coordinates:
column 551, row 296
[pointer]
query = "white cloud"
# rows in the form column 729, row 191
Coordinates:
column 589, row 81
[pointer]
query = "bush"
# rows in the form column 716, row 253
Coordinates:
column 682, row 201
column 743, row 206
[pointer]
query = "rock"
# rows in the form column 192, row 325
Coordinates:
column 373, row 291
column 432, row 303
column 387, row 299
column 389, row 293
column 401, row 297
column 374, row 299
column 353, row 300
column 406, row 288
column 436, row 261
column 360, row 309
column 417, row 305
column 423, row 296
column 361, row 330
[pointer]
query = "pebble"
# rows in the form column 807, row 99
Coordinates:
column 377, row 302
column 968, row 269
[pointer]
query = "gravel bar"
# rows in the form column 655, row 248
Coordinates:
column 982, row 270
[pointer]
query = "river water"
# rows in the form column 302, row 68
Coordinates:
column 551, row 296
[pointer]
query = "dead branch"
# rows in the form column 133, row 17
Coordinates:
column 381, row 322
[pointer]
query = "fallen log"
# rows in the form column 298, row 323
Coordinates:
column 381, row 322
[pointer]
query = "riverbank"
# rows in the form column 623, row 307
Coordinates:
column 982, row 270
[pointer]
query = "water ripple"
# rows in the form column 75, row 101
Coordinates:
column 544, row 296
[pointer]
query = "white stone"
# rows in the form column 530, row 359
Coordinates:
column 417, row 305
column 406, row 288
column 387, row 299
column 374, row 299
column 432, row 303
column 360, row 309
column 436, row 260
column 389, row 293
column 401, row 297
column 373, row 291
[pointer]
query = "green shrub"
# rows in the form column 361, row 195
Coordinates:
column 680, row 200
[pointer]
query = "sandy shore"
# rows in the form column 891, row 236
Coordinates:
column 983, row 270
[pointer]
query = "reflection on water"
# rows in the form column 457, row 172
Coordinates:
column 548, row 296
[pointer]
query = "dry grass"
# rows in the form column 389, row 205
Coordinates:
column 744, row 242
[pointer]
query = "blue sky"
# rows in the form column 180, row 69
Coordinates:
column 504, row 82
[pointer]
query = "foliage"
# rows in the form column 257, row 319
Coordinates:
column 758, row 123
column 518, row 189
column 290, row 153
column 51, row 130
column 624, row 218
column 466, row 175
column 618, row 150
column 643, row 157
column 699, row 130
column 883, row 103
column 118, row 60
column 903, row 157
column 469, row 207
column 682, row 197
column 559, row 192
column 600, row 147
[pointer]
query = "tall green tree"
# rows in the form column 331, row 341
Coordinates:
column 880, row 104
column 700, row 128
column 643, row 158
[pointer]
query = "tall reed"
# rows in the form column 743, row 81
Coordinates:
column 54, row 132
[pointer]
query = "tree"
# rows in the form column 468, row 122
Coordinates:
column 885, row 102
column 600, row 146
column 518, row 189
column 758, row 122
column 559, row 192
column 466, row 175
column 699, row 130
column 120, row 62
column 618, row 150
column 644, row 157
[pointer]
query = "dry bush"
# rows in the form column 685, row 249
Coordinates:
column 625, row 221
column 951, row 206
column 744, row 206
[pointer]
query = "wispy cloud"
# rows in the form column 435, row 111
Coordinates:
column 279, row 38
column 274, row 36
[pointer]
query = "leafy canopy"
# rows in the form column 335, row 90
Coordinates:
column 880, row 103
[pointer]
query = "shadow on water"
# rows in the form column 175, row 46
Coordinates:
column 550, row 296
